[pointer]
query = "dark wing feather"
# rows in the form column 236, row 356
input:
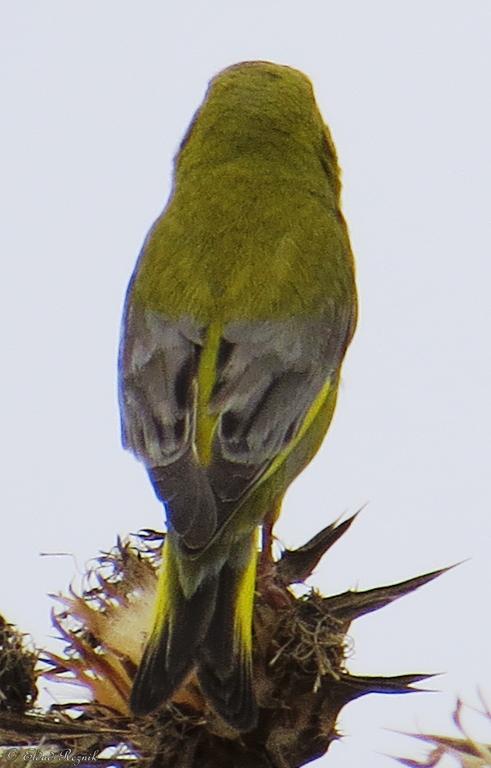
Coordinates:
column 268, row 375
column 269, row 378
column 158, row 364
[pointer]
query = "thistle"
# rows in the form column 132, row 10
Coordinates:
column 17, row 677
column 466, row 751
column 301, row 679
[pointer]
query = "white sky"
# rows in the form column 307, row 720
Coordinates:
column 94, row 99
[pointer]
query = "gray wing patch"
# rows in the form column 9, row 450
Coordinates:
column 270, row 374
column 158, row 363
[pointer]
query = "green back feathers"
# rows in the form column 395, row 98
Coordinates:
column 252, row 229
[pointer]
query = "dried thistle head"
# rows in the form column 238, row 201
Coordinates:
column 104, row 627
column 301, row 679
column 18, row 690
column 466, row 751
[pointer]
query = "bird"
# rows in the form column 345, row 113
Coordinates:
column 236, row 322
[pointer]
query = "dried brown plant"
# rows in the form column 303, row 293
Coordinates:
column 301, row 677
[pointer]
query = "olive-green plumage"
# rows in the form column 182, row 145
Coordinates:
column 237, row 319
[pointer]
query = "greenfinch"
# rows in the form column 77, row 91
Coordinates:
column 236, row 322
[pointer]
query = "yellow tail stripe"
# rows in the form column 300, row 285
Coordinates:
column 244, row 606
column 162, row 605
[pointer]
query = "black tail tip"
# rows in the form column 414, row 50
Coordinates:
column 243, row 718
column 141, row 702
column 247, row 720
column 234, row 703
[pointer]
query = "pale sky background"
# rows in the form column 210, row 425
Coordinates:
column 95, row 96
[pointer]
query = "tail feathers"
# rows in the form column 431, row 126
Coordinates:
column 170, row 654
column 231, row 694
column 225, row 662
column 210, row 631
